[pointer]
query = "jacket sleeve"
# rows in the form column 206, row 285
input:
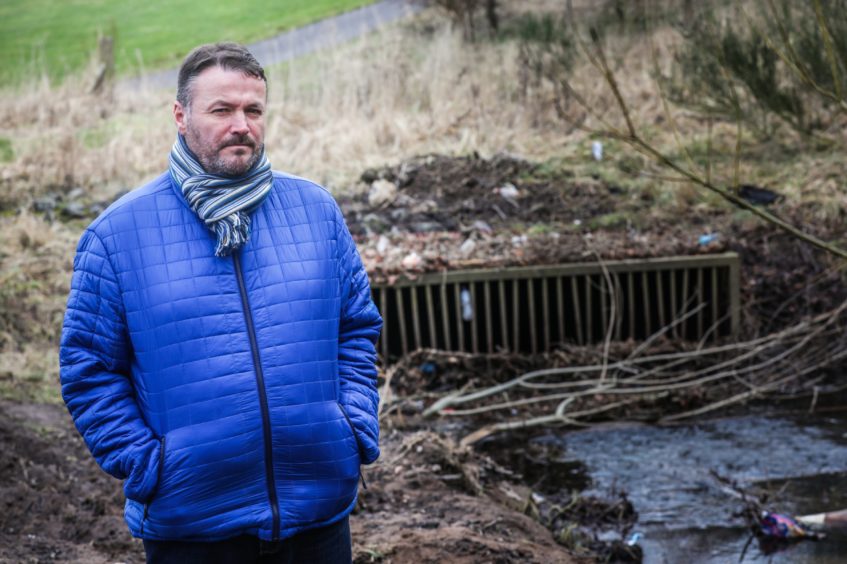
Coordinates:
column 94, row 365
column 359, row 329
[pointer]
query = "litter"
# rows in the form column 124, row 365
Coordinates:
column 509, row 191
column 781, row 526
column 832, row 518
column 467, row 306
column 412, row 261
column 633, row 539
column 597, row 150
column 707, row 238
column 759, row 196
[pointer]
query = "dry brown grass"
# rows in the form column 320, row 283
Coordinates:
column 412, row 89
column 36, row 259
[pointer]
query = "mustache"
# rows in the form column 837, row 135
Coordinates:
column 244, row 139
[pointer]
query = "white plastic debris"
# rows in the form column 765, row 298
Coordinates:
column 509, row 191
column 481, row 226
column 412, row 261
column 467, row 247
column 383, row 244
column 467, row 306
column 382, row 193
column 633, row 539
column 597, row 150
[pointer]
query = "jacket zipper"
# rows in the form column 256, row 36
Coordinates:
column 263, row 397
column 355, row 438
column 161, row 463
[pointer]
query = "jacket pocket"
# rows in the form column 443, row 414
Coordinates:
column 159, row 468
column 356, row 438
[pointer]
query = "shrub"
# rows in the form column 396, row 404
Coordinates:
column 464, row 13
column 779, row 68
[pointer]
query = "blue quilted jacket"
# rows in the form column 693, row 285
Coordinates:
column 233, row 395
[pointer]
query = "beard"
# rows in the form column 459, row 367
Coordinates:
column 211, row 156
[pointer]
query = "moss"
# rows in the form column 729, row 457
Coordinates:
column 609, row 220
column 539, row 229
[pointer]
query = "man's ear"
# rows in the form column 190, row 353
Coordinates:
column 181, row 118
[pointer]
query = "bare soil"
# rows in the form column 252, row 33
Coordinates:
column 431, row 501
column 56, row 505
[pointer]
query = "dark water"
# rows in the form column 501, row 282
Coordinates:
column 684, row 513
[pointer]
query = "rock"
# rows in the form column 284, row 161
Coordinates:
column 75, row 194
column 369, row 175
column 399, row 214
column 383, row 244
column 406, row 174
column 44, row 203
column 424, row 206
column 382, row 193
column 426, row 227
column 375, row 223
column 75, row 210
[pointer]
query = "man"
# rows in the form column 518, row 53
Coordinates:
column 218, row 346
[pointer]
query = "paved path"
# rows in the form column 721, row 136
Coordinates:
column 302, row 40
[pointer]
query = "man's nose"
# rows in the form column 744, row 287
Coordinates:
column 238, row 123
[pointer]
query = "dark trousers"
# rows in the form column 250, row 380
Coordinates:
column 327, row 545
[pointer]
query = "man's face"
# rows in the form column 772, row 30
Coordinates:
column 224, row 125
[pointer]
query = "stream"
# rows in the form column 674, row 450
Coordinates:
column 684, row 513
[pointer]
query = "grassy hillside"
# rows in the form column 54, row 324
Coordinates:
column 415, row 88
column 58, row 36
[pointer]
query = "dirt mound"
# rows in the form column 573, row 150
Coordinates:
column 438, row 212
column 429, row 500
column 441, row 193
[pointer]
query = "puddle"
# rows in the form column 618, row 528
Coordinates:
column 684, row 514
column 541, row 464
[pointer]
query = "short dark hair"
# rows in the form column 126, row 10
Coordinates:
column 228, row 56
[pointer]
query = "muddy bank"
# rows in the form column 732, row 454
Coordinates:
column 431, row 501
column 55, row 503
column 426, row 501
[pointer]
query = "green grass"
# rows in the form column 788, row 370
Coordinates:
column 7, row 153
column 57, row 37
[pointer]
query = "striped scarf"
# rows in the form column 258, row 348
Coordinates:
column 224, row 204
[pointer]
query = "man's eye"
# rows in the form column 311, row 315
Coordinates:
column 220, row 111
column 254, row 111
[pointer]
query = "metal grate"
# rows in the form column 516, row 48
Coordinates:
column 530, row 309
